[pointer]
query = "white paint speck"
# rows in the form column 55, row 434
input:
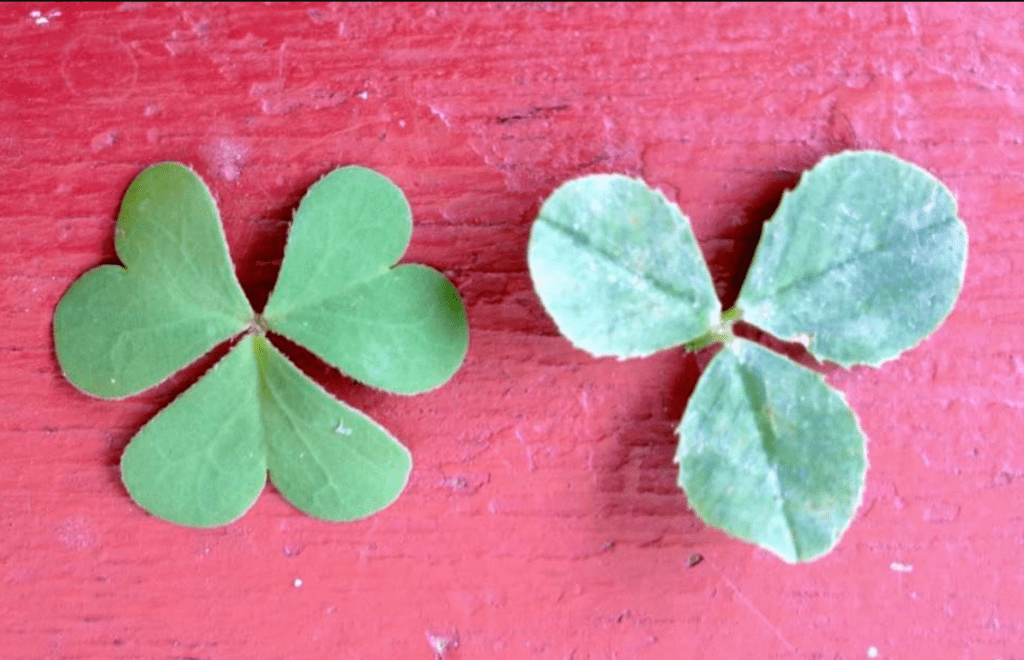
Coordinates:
column 102, row 141
column 297, row 583
column 401, row 123
column 901, row 568
column 227, row 156
column 872, row 652
column 341, row 429
column 77, row 534
column 441, row 644
column 440, row 114
column 39, row 18
column 363, row 95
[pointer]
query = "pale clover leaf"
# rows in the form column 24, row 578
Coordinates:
column 863, row 260
column 204, row 459
column 771, row 453
column 618, row 268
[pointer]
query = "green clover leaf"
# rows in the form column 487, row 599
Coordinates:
column 862, row 260
column 204, row 459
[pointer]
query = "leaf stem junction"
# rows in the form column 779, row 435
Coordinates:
column 257, row 325
column 720, row 333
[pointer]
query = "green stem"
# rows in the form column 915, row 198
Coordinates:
column 718, row 334
column 732, row 315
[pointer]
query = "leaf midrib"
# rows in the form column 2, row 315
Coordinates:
column 660, row 285
column 750, row 380
column 296, row 426
column 199, row 280
column 924, row 231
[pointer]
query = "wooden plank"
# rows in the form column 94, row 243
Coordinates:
column 542, row 519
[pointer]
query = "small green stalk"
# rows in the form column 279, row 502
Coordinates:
column 719, row 334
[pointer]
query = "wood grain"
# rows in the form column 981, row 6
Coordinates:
column 542, row 519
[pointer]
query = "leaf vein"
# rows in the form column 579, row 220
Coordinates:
column 925, row 231
column 660, row 285
column 755, row 389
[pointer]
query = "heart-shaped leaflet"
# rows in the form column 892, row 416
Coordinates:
column 401, row 329
column 120, row 330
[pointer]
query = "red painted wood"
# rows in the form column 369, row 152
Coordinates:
column 542, row 519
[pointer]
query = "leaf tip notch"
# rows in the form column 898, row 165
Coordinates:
column 121, row 329
column 201, row 461
column 400, row 328
column 351, row 225
column 328, row 459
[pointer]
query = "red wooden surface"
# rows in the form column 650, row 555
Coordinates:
column 542, row 519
